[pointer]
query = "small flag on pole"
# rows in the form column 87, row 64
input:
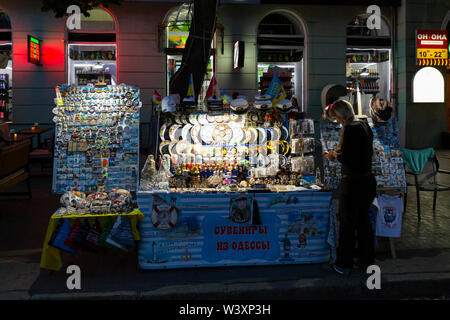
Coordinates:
column 157, row 100
column 190, row 92
column 280, row 96
column 274, row 87
column 212, row 89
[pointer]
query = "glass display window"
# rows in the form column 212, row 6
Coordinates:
column 92, row 50
column 368, row 63
column 6, row 66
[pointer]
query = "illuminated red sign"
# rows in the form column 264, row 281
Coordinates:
column 34, row 50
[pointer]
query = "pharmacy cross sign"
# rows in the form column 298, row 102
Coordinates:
column 431, row 47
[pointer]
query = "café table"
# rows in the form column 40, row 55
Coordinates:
column 16, row 137
column 35, row 131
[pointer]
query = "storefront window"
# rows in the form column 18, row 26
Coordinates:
column 369, row 63
column 177, row 25
column 92, row 50
column 5, row 67
column 280, row 49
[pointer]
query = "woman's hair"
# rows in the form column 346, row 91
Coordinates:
column 342, row 109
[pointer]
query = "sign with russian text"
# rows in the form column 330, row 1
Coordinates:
column 34, row 50
column 283, row 228
column 432, row 47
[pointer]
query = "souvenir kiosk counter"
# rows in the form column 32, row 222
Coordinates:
column 233, row 187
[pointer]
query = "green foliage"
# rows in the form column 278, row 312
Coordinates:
column 59, row 7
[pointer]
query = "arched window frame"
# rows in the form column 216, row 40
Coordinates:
column 302, row 25
column 106, row 37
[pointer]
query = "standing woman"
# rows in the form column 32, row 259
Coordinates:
column 357, row 188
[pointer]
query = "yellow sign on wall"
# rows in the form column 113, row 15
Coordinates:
column 432, row 53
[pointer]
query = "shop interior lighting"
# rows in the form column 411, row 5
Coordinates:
column 364, row 72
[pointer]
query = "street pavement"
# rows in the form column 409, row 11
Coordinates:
column 421, row 269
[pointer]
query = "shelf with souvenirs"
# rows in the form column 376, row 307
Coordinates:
column 242, row 146
column 96, row 138
column 95, row 168
column 387, row 161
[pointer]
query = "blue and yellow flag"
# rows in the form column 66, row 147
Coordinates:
column 226, row 98
column 274, row 87
column 280, row 96
column 190, row 92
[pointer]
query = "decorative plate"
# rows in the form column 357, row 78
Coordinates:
column 185, row 133
column 178, row 119
column 172, row 149
column 222, row 133
column 238, row 135
column 206, row 134
column 162, row 131
column 193, row 119
column 164, row 147
column 283, row 161
column 226, row 118
column 254, row 135
column 184, row 119
column 262, row 137
column 175, row 132
column 202, row 119
column 248, row 135
column 284, row 133
column 195, row 133
column 182, row 147
column 211, row 118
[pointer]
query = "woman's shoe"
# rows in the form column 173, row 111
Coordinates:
column 341, row 271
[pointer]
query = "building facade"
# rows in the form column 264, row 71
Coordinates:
column 319, row 33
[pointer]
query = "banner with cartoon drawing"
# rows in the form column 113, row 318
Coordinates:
column 203, row 230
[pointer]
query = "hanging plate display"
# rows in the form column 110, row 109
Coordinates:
column 175, row 132
column 198, row 149
column 195, row 133
column 219, row 119
column 163, row 131
column 206, row 134
column 186, row 133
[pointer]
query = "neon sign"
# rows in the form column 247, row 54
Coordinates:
column 34, row 50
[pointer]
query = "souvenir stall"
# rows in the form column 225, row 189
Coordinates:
column 232, row 184
column 96, row 171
